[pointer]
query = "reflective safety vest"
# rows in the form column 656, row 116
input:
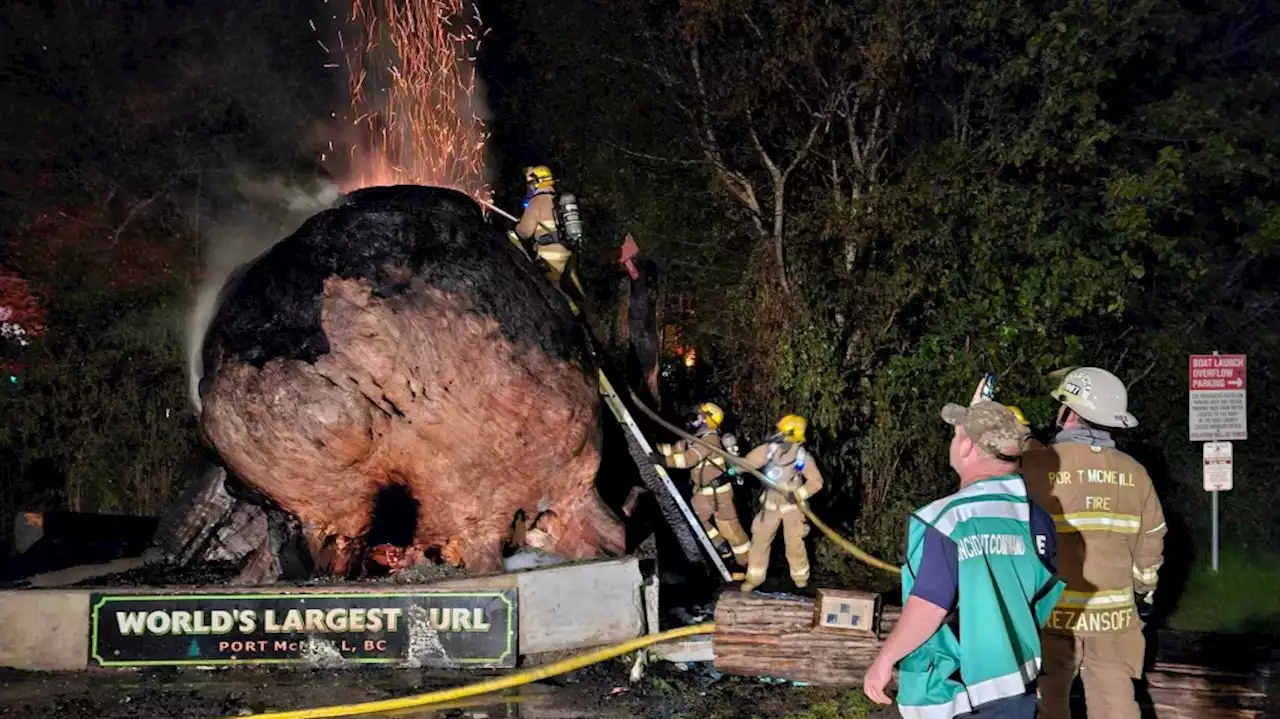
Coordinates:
column 1004, row 597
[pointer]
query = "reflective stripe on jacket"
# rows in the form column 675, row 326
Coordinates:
column 1110, row 532
column 1005, row 594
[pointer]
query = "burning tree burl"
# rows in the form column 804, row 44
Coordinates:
column 399, row 377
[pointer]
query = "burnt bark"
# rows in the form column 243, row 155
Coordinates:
column 642, row 333
column 397, row 350
column 217, row 521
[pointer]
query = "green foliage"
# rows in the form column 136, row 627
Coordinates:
column 118, row 123
column 993, row 186
column 853, row 704
column 1240, row 598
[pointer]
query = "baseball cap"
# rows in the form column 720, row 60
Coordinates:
column 991, row 425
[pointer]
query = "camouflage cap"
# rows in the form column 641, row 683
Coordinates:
column 991, row 425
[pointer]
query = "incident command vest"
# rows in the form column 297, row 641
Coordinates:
column 1005, row 594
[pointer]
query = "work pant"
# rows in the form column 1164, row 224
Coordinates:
column 717, row 502
column 557, row 257
column 777, row 511
column 1107, row 663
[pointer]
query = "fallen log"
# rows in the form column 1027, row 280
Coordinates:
column 773, row 635
column 400, row 379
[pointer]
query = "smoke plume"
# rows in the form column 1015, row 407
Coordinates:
column 238, row 225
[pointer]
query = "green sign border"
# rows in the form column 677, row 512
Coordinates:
column 95, row 612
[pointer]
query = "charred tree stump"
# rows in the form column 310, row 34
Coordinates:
column 642, row 333
column 210, row 523
column 399, row 378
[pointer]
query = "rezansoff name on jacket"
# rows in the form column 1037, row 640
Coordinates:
column 990, row 544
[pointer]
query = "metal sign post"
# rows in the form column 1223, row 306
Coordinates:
column 1217, row 415
column 1217, row 478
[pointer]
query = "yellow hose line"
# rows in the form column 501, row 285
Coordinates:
column 492, row 685
column 845, row 544
column 740, row 464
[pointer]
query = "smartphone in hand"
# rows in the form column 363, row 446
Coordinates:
column 986, row 388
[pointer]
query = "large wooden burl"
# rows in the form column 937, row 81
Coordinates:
column 401, row 379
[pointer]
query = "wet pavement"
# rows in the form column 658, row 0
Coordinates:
column 596, row 692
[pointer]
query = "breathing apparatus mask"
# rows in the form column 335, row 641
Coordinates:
column 697, row 425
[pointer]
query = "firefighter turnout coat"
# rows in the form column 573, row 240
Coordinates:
column 712, row 493
column 792, row 469
column 1110, row 533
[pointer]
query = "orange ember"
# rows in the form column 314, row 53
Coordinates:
column 413, row 93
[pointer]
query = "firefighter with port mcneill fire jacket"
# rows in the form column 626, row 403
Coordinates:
column 1110, row 547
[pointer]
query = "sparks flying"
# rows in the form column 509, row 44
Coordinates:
column 414, row 100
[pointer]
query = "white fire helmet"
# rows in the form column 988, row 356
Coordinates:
column 1098, row 396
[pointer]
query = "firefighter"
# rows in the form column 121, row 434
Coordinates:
column 538, row 223
column 1110, row 547
column 712, row 484
column 795, row 475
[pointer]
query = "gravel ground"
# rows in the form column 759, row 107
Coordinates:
column 600, row 691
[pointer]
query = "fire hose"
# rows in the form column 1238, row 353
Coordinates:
column 594, row 657
column 840, row 541
column 741, row 465
column 490, row 685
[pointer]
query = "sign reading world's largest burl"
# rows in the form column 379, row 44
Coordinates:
column 427, row 629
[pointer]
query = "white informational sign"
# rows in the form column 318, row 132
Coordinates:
column 1217, row 466
column 1217, row 411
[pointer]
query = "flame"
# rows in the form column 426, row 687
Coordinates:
column 414, row 100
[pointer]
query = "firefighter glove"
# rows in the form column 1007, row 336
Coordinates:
column 1146, row 605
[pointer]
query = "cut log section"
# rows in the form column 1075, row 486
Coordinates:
column 774, row 635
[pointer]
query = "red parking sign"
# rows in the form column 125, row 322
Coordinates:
column 1217, row 408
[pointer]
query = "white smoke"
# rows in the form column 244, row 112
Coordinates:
column 253, row 214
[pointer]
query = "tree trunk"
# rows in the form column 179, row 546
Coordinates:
column 642, row 333
column 399, row 378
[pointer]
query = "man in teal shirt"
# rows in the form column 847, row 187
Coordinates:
column 977, row 586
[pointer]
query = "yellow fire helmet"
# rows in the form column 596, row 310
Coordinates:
column 1017, row 413
column 792, row 428
column 713, row 413
column 539, row 177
